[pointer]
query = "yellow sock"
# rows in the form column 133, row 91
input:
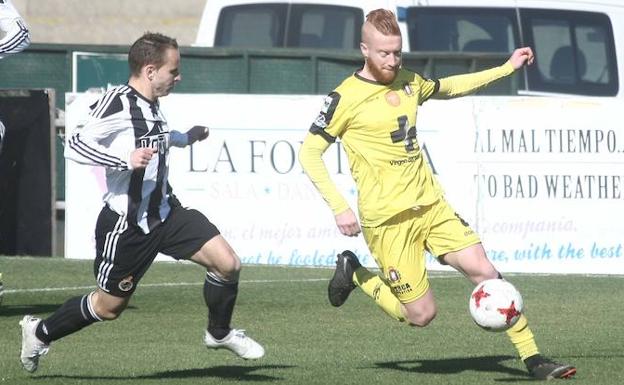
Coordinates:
column 376, row 288
column 522, row 338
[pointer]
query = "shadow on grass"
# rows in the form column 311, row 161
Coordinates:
column 14, row 310
column 241, row 373
column 457, row 365
column 17, row 310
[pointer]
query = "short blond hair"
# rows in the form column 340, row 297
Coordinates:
column 384, row 21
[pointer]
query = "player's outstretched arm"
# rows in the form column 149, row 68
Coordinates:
column 466, row 84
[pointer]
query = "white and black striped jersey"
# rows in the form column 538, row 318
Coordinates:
column 15, row 36
column 121, row 121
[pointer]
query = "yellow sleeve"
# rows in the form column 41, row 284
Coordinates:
column 460, row 85
column 332, row 118
column 427, row 87
column 310, row 157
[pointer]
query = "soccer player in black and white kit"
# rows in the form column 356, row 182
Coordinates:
column 14, row 37
column 127, row 133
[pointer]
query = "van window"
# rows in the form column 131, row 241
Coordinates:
column 574, row 52
column 253, row 25
column 324, row 26
column 294, row 25
column 458, row 29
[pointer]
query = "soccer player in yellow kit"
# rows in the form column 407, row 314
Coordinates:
column 401, row 205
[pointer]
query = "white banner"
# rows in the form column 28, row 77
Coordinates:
column 538, row 178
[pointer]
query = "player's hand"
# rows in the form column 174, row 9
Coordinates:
column 197, row 133
column 348, row 224
column 522, row 56
column 141, row 157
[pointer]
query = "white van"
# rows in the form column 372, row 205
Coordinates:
column 575, row 41
column 327, row 24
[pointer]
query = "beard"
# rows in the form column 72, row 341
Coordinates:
column 381, row 75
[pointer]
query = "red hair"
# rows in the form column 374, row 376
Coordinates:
column 384, row 21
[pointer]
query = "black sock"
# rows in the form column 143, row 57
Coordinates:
column 220, row 296
column 72, row 316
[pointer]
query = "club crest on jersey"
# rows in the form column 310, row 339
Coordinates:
column 394, row 275
column 126, row 284
column 408, row 89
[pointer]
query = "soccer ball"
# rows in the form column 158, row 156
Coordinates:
column 495, row 305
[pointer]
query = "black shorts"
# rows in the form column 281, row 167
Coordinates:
column 124, row 252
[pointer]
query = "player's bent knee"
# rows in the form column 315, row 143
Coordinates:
column 106, row 314
column 229, row 267
column 107, row 307
column 234, row 264
column 420, row 316
column 219, row 258
column 421, row 311
column 421, row 320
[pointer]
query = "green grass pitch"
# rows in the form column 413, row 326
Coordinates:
column 158, row 340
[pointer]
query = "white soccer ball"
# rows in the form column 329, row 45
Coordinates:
column 495, row 305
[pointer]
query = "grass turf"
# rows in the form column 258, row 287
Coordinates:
column 158, row 340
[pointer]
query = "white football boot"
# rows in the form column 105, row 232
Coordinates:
column 236, row 341
column 32, row 347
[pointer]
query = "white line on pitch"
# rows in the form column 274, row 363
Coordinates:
column 163, row 284
column 174, row 284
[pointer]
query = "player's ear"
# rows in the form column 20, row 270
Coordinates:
column 149, row 71
column 364, row 49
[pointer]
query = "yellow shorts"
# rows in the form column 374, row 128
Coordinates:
column 399, row 244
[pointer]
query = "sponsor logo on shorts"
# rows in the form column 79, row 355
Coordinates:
column 393, row 275
column 402, row 289
column 126, row 284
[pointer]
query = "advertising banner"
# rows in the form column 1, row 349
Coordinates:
column 538, row 178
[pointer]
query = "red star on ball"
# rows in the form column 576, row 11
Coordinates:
column 509, row 312
column 478, row 295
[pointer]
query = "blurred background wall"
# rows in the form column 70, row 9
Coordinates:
column 109, row 21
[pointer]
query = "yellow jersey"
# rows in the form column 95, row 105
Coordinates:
column 376, row 124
